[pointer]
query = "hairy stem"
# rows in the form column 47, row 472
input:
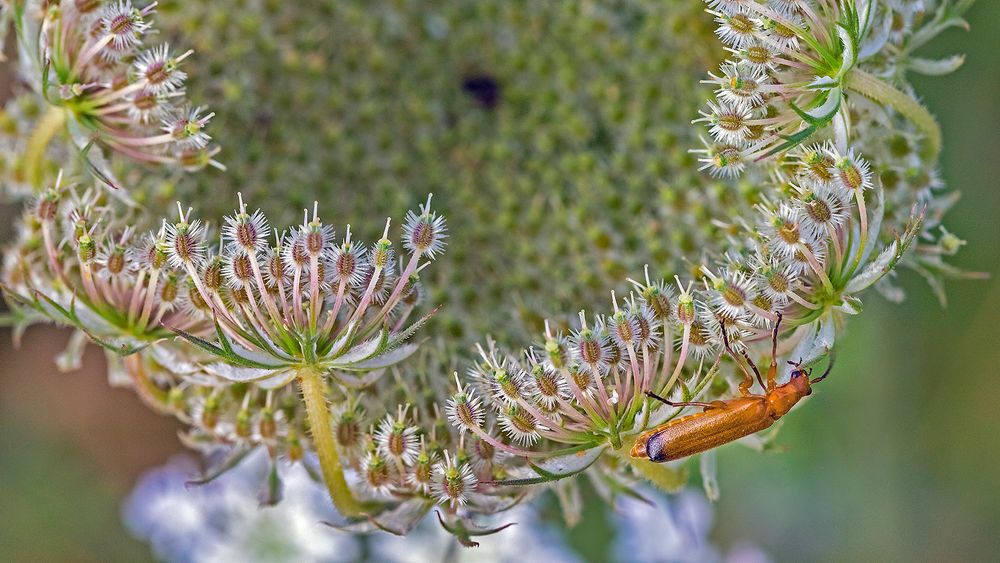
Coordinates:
column 872, row 87
column 321, row 427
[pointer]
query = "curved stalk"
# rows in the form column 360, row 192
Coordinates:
column 872, row 87
column 46, row 128
column 150, row 394
column 321, row 428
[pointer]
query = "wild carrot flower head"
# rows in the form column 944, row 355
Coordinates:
column 835, row 166
column 85, row 266
column 94, row 66
column 425, row 232
column 465, row 409
column 396, row 439
column 452, row 481
column 301, row 313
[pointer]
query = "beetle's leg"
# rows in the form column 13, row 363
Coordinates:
column 652, row 395
column 825, row 373
column 772, row 371
column 754, row 368
column 747, row 378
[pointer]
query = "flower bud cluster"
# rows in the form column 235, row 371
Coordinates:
column 92, row 61
column 251, row 309
column 79, row 262
column 784, row 80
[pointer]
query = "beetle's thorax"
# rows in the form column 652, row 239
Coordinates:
column 782, row 398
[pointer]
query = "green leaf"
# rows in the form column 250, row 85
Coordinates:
column 935, row 67
column 849, row 56
column 383, row 360
column 362, row 351
column 409, row 331
column 239, row 374
column 273, row 491
column 123, row 345
column 850, row 305
column 815, row 345
column 224, row 350
column 398, row 521
column 199, row 342
column 822, row 115
column 96, row 165
column 278, row 379
column 875, row 269
column 557, row 467
column 464, row 532
column 887, row 260
column 232, row 458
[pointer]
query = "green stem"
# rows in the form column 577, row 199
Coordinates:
column 321, row 428
column 872, row 87
column 863, row 240
column 34, row 153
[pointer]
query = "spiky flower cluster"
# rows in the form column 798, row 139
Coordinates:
column 79, row 262
column 823, row 166
column 786, row 77
column 578, row 401
column 257, row 309
column 299, row 299
column 819, row 87
column 89, row 60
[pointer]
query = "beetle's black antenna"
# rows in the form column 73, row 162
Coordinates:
column 774, row 338
column 772, row 369
column 652, row 395
column 827, row 372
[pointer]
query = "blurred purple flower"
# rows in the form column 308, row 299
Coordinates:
column 676, row 528
column 224, row 520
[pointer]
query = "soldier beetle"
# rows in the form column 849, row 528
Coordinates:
column 725, row 421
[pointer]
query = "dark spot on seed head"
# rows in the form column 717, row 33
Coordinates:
column 483, row 88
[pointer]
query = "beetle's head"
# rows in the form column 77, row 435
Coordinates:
column 800, row 381
column 800, row 378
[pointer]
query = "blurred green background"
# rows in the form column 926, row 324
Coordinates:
column 896, row 457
